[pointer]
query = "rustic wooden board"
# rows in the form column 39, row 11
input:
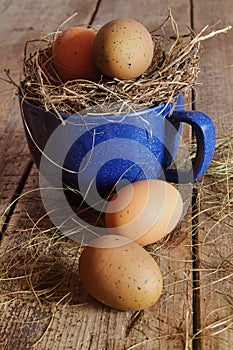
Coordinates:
column 19, row 23
column 93, row 326
column 214, row 97
column 151, row 13
column 68, row 318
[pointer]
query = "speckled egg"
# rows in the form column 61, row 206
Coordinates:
column 72, row 54
column 123, row 48
column 144, row 211
column 120, row 273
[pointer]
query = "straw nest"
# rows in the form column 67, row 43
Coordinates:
column 40, row 266
column 174, row 67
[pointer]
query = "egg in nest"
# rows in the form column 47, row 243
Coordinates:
column 72, row 54
column 123, row 48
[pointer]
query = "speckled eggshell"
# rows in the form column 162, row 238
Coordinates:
column 144, row 211
column 119, row 273
column 123, row 48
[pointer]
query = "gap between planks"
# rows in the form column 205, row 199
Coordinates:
column 9, row 211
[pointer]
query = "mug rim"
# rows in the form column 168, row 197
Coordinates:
column 160, row 109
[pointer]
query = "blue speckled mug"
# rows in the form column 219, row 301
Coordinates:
column 95, row 153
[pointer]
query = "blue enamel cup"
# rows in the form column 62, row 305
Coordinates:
column 95, row 153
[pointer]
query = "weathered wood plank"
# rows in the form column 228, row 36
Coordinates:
column 23, row 21
column 214, row 264
column 87, row 324
column 23, row 320
column 93, row 326
column 150, row 13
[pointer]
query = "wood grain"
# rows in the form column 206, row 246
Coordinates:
column 65, row 317
column 22, row 21
column 215, row 239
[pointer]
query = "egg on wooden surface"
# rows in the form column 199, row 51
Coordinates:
column 72, row 54
column 119, row 273
column 123, row 48
column 144, row 211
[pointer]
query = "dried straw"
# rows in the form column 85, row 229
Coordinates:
column 215, row 188
column 175, row 67
column 40, row 265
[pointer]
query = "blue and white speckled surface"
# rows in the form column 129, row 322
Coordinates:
column 130, row 147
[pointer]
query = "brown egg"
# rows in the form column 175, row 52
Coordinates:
column 144, row 211
column 72, row 54
column 123, row 48
column 120, row 273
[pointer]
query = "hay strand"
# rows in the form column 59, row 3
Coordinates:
column 175, row 67
column 39, row 264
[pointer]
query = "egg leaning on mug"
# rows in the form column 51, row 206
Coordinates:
column 119, row 273
column 72, row 55
column 123, row 48
column 144, row 211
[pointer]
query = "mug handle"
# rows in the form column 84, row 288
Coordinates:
column 204, row 130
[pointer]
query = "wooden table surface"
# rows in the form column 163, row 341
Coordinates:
column 195, row 310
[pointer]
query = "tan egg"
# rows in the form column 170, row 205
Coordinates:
column 120, row 273
column 144, row 211
column 72, row 54
column 123, row 48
